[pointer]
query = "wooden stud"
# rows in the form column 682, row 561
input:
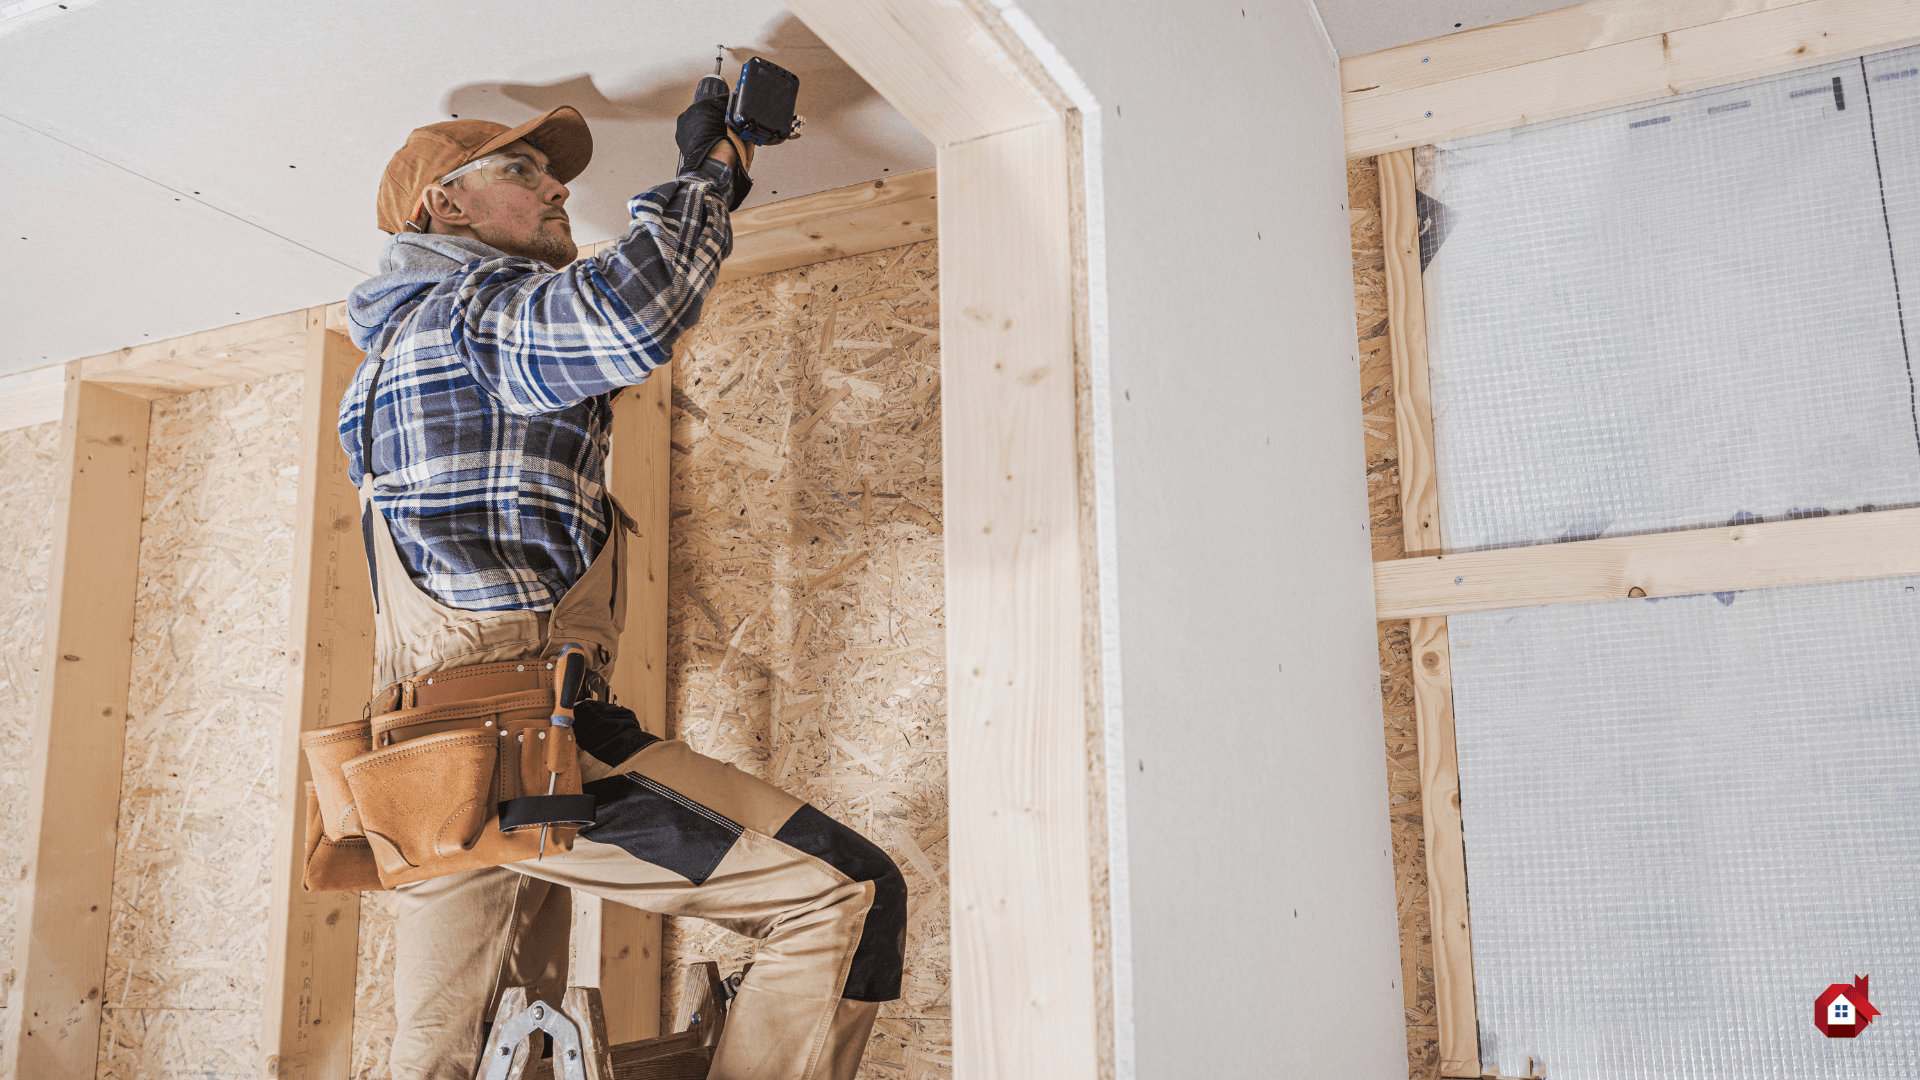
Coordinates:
column 1446, row 851
column 1769, row 555
column 1407, row 333
column 1502, row 88
column 307, row 1012
column 625, row 952
column 71, row 816
column 1432, row 674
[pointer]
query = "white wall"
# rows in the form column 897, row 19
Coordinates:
column 1256, row 811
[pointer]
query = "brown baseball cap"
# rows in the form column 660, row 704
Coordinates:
column 434, row 151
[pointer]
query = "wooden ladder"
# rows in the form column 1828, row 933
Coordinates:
column 579, row 1032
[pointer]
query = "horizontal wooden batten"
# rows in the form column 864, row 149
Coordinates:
column 1579, row 28
column 833, row 224
column 1805, row 551
column 1499, row 78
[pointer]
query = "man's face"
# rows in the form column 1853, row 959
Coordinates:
column 495, row 203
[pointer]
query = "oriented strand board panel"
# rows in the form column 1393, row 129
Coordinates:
column 187, row 936
column 807, row 628
column 31, row 458
column 1396, row 662
column 374, row 1023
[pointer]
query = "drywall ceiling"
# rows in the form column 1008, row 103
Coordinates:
column 177, row 167
column 1364, row 26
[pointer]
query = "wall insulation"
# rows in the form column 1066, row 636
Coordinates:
column 31, row 457
column 1685, row 818
column 187, row 946
column 806, row 642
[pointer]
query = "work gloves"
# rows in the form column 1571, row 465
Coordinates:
column 609, row 732
column 698, row 129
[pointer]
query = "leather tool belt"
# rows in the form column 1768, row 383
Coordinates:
column 448, row 772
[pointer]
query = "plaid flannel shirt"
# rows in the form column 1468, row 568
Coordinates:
column 491, row 417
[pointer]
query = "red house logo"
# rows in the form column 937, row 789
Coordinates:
column 1843, row 1011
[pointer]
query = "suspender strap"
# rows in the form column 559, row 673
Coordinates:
column 366, row 478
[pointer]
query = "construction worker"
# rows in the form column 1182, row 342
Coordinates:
column 477, row 431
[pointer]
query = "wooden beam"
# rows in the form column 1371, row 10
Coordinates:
column 307, row 1011
column 618, row 946
column 1496, row 88
column 73, row 802
column 1022, row 916
column 1579, row 28
column 954, row 73
column 31, row 398
column 833, row 224
column 1407, row 336
column 1455, row 1013
column 1806, row 551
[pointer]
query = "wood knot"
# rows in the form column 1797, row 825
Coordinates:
column 1430, row 660
column 1636, row 591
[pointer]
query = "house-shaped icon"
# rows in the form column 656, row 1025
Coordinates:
column 1842, row 1011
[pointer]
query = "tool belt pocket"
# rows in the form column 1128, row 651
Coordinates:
column 444, row 788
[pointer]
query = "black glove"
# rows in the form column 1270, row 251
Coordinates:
column 609, row 732
column 698, row 129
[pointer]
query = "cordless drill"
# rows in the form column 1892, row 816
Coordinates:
column 760, row 105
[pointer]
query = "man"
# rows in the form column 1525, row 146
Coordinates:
column 477, row 430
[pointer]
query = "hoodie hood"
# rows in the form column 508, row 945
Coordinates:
column 411, row 264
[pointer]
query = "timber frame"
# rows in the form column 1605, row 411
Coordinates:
column 1562, row 63
column 1008, row 202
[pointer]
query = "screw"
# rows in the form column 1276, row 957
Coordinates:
column 1423, row 59
column 571, row 1054
column 1429, row 114
column 539, row 1012
column 1458, row 580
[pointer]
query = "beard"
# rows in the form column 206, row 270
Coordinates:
column 554, row 249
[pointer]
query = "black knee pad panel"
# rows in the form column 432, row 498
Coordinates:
column 878, row 959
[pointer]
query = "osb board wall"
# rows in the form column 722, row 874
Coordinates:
column 807, row 621
column 1396, row 656
column 187, row 937
column 373, row 1020
column 30, row 458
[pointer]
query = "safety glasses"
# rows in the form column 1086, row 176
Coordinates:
column 515, row 168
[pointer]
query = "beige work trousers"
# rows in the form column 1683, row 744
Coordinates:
column 675, row 832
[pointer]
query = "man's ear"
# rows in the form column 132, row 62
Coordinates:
column 441, row 207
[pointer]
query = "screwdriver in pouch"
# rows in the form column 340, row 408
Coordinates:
column 570, row 673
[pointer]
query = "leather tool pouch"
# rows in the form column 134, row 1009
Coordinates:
column 435, row 789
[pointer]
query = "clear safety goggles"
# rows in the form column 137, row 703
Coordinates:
column 515, row 168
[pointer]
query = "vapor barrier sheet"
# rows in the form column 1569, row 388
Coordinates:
column 1679, row 314
column 1686, row 818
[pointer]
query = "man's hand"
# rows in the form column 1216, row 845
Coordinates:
column 702, row 133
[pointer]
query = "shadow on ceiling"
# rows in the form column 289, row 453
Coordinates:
column 632, row 116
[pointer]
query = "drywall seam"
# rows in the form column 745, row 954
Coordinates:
column 180, row 195
column 1100, row 377
column 1333, row 54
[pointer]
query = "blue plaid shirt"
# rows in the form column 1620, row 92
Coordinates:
column 490, row 422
